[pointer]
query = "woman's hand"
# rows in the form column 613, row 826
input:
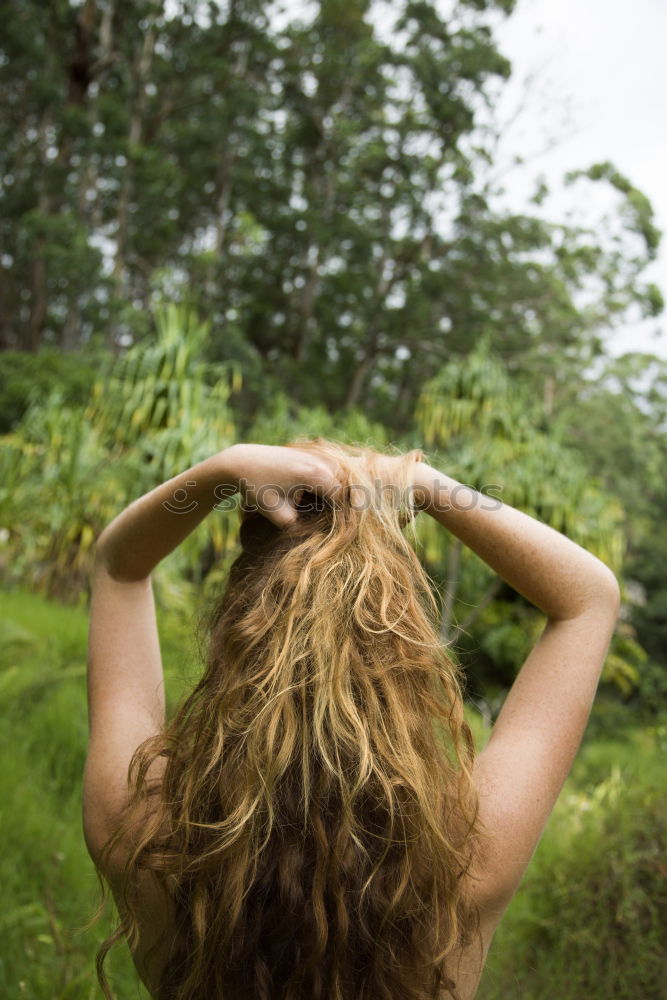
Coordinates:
column 271, row 478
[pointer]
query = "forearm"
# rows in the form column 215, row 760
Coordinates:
column 549, row 570
column 132, row 545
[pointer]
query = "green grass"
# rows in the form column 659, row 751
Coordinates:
column 590, row 919
column 50, row 888
column 589, row 922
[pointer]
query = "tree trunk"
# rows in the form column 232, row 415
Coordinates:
column 69, row 335
column 326, row 186
column 80, row 74
column 5, row 322
column 314, row 278
column 385, row 283
column 38, row 275
column 89, row 208
column 224, row 181
column 360, row 373
column 141, row 69
column 227, row 157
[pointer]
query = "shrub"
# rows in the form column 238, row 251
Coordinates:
column 590, row 920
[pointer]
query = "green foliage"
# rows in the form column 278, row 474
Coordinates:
column 616, row 420
column 68, row 470
column 57, row 492
column 652, row 687
column 591, row 916
column 637, row 207
column 589, row 919
column 488, row 432
column 285, row 183
column 280, row 420
column 507, row 634
column 26, row 377
column 626, row 660
column 49, row 883
column 166, row 388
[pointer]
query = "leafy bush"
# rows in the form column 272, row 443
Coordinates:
column 591, row 917
column 25, row 377
column 67, row 470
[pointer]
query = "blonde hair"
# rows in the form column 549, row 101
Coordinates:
column 316, row 813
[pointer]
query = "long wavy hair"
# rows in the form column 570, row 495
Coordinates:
column 316, row 814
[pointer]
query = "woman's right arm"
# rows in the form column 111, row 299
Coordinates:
column 521, row 771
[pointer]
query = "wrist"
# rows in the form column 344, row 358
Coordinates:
column 431, row 487
column 442, row 493
column 229, row 465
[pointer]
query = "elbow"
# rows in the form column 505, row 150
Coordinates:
column 608, row 593
column 100, row 553
column 597, row 596
column 103, row 561
column 110, row 562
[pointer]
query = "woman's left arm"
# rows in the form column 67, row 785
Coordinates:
column 126, row 701
column 132, row 545
column 151, row 527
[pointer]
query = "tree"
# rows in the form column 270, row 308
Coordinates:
column 317, row 191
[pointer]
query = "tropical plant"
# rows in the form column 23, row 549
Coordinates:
column 68, row 470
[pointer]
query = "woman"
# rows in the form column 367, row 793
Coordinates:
column 313, row 823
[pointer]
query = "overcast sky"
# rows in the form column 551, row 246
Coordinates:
column 600, row 82
column 597, row 91
column 590, row 77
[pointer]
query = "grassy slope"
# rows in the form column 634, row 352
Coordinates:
column 50, row 888
column 590, row 920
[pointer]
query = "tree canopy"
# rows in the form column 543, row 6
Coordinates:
column 216, row 223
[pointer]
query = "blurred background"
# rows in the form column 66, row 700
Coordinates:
column 421, row 224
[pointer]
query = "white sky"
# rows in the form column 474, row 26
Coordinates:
column 598, row 85
column 602, row 64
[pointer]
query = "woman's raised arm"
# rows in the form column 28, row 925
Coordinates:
column 132, row 545
column 521, row 771
column 548, row 569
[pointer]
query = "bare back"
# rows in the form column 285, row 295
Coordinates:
column 465, row 966
column 518, row 776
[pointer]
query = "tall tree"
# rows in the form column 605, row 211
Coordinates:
column 317, row 190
